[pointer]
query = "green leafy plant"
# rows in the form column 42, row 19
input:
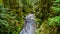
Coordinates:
column 56, row 5
column 9, row 21
column 54, row 21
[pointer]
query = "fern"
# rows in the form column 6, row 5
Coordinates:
column 54, row 21
column 56, row 6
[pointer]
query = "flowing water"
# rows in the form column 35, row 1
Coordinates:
column 29, row 27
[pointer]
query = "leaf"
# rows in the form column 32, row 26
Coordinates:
column 2, row 22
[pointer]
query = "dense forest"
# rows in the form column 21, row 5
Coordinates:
column 13, row 13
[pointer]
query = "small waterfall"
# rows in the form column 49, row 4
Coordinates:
column 29, row 27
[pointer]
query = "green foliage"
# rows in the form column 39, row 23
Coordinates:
column 58, row 32
column 10, row 22
column 54, row 21
column 56, row 5
column 3, row 22
column 29, row 5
